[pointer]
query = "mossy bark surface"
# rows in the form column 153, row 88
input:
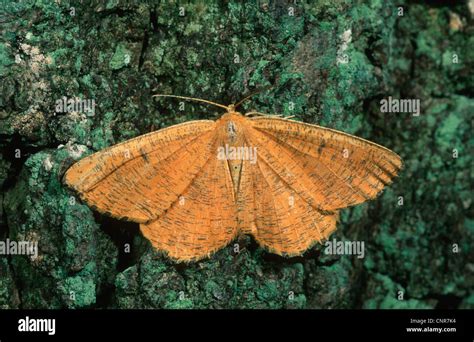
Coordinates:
column 329, row 63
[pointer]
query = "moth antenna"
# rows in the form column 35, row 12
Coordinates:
column 193, row 99
column 264, row 114
column 252, row 94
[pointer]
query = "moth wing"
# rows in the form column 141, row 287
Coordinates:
column 141, row 178
column 202, row 220
column 279, row 218
column 329, row 169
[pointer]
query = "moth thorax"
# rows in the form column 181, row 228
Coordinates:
column 231, row 130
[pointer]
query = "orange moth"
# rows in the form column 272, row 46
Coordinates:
column 195, row 186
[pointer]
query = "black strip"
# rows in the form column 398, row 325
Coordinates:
column 298, row 325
